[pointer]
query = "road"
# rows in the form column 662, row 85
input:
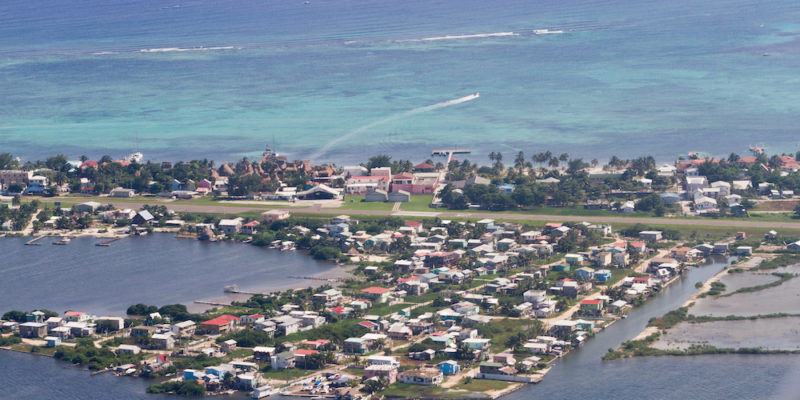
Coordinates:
column 223, row 209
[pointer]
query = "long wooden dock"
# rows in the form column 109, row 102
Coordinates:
column 108, row 242
column 447, row 152
column 34, row 241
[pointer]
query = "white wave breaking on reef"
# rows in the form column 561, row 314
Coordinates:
column 328, row 146
column 182, row 49
column 458, row 37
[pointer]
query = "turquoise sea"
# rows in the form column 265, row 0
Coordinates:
column 343, row 79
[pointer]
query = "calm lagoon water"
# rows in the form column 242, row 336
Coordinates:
column 219, row 79
column 155, row 269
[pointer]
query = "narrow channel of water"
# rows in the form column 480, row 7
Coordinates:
column 582, row 373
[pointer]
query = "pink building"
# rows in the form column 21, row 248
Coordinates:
column 389, row 371
column 420, row 183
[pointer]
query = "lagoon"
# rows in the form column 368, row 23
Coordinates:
column 155, row 269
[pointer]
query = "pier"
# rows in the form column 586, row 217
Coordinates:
column 211, row 303
column 34, row 241
column 108, row 242
column 314, row 278
column 449, row 153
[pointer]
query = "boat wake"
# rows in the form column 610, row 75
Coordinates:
column 457, row 37
column 328, row 146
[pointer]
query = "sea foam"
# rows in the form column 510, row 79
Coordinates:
column 458, row 37
column 181, row 49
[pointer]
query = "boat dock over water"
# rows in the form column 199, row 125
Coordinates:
column 107, row 243
column 447, row 152
column 34, row 241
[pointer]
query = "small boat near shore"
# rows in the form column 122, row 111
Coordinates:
column 63, row 241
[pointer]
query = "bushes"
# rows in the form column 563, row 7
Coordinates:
column 248, row 338
column 197, row 362
column 9, row 340
column 184, row 388
column 669, row 319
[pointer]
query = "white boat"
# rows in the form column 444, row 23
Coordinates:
column 63, row 241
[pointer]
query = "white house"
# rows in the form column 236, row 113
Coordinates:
column 230, row 226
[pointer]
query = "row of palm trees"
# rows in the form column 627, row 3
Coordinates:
column 543, row 158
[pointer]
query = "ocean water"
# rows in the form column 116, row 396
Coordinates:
column 180, row 79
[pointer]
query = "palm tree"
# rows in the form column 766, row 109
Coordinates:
column 563, row 157
column 595, row 162
column 553, row 162
column 519, row 162
column 492, row 157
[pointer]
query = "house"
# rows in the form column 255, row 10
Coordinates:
column 142, row 331
column 537, row 348
column 449, row 367
column 603, row 259
column 744, row 250
column 650, row 236
column 268, row 217
column 354, row 346
column 282, row 360
column 354, row 170
column 584, row 273
column 602, row 275
column 381, row 370
column 573, row 259
column 361, row 185
column 110, row 324
column 327, row 298
column 400, row 196
column 376, row 294
column 230, row 226
column 704, row 204
column 424, row 167
column 301, row 354
column 128, row 349
column 33, row 329
column 261, row 353
column 423, row 376
column 376, row 196
column 88, row 207
column 592, row 306
column 638, row 247
column 222, row 324
column 163, row 341
column 504, row 358
column 183, row 328
column 75, row 316
column 52, row 341
column 695, row 184
column 534, row 296
column 250, row 227
column 476, row 343
column 143, row 217
column 628, row 207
